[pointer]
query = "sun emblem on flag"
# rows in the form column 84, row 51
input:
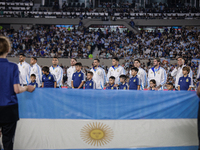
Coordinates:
column 96, row 134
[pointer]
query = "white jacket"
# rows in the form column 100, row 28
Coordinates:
column 99, row 77
column 24, row 73
column 198, row 72
column 70, row 71
column 58, row 73
column 116, row 72
column 35, row 69
column 142, row 76
column 160, row 76
column 178, row 73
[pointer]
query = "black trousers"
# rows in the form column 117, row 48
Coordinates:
column 8, row 132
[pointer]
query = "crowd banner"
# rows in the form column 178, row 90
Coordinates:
column 56, row 119
column 196, row 61
column 165, row 61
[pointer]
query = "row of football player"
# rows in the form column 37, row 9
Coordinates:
column 99, row 77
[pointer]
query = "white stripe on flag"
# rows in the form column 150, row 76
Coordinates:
column 69, row 133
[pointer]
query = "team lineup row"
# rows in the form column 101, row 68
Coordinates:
column 76, row 78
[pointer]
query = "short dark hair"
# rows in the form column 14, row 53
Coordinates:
column 74, row 59
column 154, row 81
column 45, row 69
column 169, row 83
column 34, row 58
column 179, row 57
column 97, row 60
column 112, row 77
column 33, row 75
column 4, row 45
column 123, row 76
column 90, row 72
column 186, row 68
column 135, row 68
column 78, row 64
column 22, row 54
column 55, row 57
column 137, row 60
column 116, row 58
column 158, row 59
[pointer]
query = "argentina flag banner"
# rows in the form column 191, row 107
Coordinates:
column 62, row 119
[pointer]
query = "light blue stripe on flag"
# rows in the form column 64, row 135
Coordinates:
column 107, row 104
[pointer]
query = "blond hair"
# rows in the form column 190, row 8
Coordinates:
column 4, row 45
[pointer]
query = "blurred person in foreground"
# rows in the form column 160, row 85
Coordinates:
column 10, row 86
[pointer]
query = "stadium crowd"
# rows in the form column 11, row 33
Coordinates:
column 48, row 41
column 107, row 10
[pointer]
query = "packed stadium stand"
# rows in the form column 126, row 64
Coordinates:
column 114, row 11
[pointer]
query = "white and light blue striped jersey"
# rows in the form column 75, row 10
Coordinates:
column 35, row 69
column 198, row 72
column 70, row 71
column 58, row 73
column 99, row 77
column 160, row 76
column 24, row 73
column 179, row 73
column 116, row 72
column 142, row 76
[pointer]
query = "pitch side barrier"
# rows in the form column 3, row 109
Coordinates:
column 57, row 119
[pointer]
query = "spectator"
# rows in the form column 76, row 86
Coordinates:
column 132, row 23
